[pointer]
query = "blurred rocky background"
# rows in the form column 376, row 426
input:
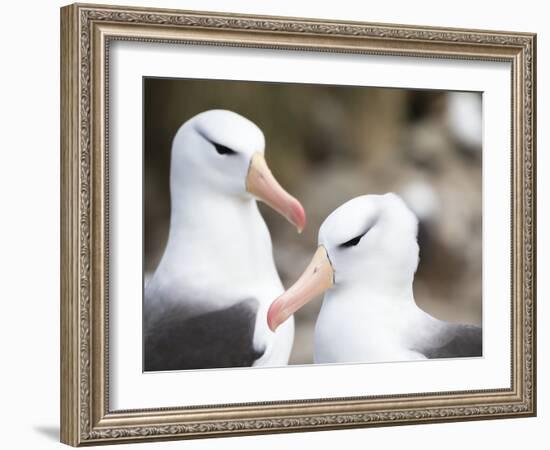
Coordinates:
column 327, row 144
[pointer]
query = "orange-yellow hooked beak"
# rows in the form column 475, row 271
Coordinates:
column 261, row 183
column 316, row 279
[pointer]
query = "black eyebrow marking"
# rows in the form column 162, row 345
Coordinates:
column 221, row 149
column 354, row 241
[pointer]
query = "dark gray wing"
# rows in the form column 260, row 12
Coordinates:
column 214, row 339
column 453, row 341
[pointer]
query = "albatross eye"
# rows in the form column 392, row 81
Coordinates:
column 353, row 242
column 223, row 150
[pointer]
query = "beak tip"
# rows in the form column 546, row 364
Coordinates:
column 272, row 325
column 298, row 216
column 271, row 318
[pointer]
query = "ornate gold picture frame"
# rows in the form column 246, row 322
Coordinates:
column 87, row 32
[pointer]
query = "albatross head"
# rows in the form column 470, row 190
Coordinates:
column 223, row 152
column 369, row 241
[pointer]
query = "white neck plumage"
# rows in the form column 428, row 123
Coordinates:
column 224, row 242
column 373, row 290
column 379, row 288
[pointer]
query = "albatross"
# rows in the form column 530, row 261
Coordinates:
column 366, row 261
column 206, row 304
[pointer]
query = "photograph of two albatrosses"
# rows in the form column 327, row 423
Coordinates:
column 292, row 224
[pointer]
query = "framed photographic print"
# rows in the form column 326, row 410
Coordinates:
column 276, row 225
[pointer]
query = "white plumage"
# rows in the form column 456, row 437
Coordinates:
column 366, row 261
column 206, row 304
